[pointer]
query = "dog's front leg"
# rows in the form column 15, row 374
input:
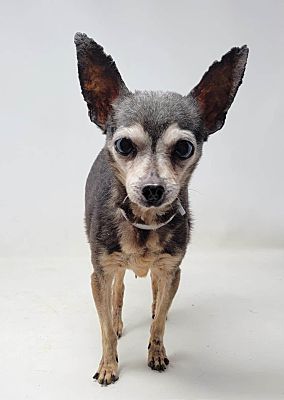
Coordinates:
column 101, row 288
column 167, row 286
column 154, row 281
column 117, row 301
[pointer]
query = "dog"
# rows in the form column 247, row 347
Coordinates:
column 136, row 206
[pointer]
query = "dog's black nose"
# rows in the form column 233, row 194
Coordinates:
column 153, row 194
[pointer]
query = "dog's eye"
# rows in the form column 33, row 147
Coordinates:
column 183, row 149
column 124, row 146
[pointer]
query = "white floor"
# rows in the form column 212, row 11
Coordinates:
column 224, row 333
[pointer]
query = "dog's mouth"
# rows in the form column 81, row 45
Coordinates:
column 150, row 217
column 155, row 198
column 153, row 206
column 151, row 209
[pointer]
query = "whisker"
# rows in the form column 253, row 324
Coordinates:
column 196, row 191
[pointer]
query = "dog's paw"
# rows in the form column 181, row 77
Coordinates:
column 157, row 358
column 118, row 326
column 107, row 373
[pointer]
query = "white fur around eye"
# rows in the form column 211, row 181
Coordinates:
column 171, row 136
column 135, row 132
column 173, row 133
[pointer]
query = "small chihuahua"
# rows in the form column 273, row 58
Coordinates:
column 137, row 214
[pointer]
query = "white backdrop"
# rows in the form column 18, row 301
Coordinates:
column 224, row 334
column 48, row 143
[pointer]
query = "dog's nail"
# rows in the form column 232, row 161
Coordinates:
column 105, row 382
column 166, row 361
column 149, row 345
column 153, row 316
column 114, row 378
column 116, row 359
column 96, row 375
column 161, row 367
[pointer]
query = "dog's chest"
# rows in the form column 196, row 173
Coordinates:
column 140, row 249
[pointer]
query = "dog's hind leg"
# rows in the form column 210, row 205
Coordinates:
column 167, row 286
column 101, row 288
column 117, row 301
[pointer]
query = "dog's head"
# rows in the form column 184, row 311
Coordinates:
column 154, row 139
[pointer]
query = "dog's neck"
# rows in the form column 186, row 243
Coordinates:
column 150, row 219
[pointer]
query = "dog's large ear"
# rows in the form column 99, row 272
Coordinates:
column 216, row 90
column 100, row 80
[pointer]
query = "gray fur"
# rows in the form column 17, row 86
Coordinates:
column 99, row 215
column 155, row 111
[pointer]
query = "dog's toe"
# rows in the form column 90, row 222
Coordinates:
column 158, row 365
column 157, row 358
column 107, row 374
